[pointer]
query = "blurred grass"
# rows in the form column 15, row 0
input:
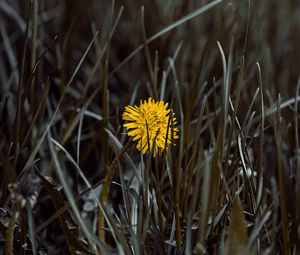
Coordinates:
column 229, row 70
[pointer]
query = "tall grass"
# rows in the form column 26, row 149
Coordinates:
column 70, row 181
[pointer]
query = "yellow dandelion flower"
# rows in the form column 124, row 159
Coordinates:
column 151, row 121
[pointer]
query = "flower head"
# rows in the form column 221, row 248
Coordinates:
column 149, row 124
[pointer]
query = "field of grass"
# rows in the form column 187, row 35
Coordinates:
column 72, row 180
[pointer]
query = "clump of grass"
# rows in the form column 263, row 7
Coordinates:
column 72, row 182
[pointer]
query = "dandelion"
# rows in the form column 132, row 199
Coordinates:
column 149, row 124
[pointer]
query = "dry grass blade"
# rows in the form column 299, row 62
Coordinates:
column 282, row 181
column 41, row 139
column 10, row 232
column 70, row 196
column 167, row 29
column 106, row 187
column 205, row 194
column 237, row 233
column 255, row 234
